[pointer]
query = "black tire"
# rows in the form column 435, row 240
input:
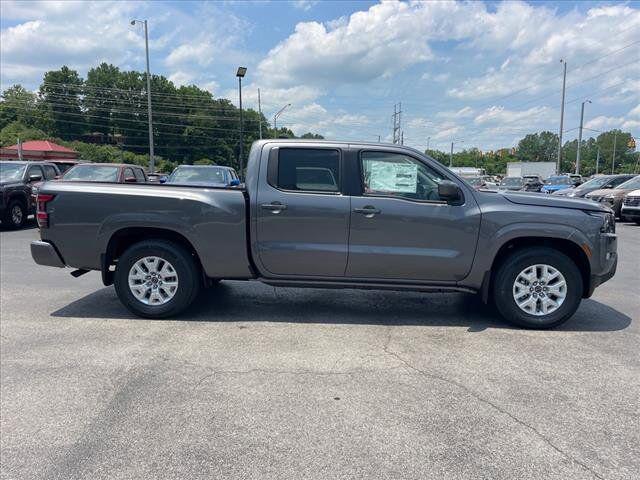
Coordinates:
column 9, row 220
column 516, row 263
column 186, row 268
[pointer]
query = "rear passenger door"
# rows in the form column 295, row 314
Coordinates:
column 302, row 215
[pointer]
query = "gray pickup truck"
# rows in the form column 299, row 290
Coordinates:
column 332, row 215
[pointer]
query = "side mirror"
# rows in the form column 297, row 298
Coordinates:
column 449, row 191
column 608, row 186
column 163, row 179
column 35, row 178
column 234, row 183
column 130, row 180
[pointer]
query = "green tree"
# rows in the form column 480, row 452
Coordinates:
column 538, row 147
column 18, row 105
column 10, row 134
column 60, row 94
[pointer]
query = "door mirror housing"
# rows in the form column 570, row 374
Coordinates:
column 234, row 183
column 35, row 178
column 449, row 191
column 130, row 180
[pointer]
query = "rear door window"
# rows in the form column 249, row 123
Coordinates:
column 34, row 170
column 139, row 175
column 49, row 172
column 309, row 169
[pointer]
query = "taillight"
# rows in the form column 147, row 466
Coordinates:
column 41, row 214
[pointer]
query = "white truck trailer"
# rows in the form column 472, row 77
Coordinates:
column 520, row 169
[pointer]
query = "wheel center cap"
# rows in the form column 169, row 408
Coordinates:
column 538, row 289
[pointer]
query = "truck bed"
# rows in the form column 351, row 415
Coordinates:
column 84, row 217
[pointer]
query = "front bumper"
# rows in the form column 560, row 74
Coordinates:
column 607, row 261
column 630, row 212
column 44, row 253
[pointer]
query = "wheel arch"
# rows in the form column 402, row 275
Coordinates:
column 566, row 246
column 123, row 238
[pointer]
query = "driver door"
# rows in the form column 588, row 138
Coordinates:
column 400, row 229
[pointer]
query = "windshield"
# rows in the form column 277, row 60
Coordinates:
column 92, row 173
column 559, row 181
column 633, row 184
column 10, row 172
column 511, row 182
column 198, row 175
column 595, row 182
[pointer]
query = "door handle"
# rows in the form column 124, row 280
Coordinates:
column 275, row 207
column 368, row 211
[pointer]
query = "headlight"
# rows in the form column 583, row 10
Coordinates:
column 608, row 221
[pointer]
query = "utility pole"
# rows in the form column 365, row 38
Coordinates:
column 564, row 84
column 451, row 156
column 397, row 122
column 242, row 71
column 597, row 160
column 146, row 45
column 378, row 138
column 580, row 137
column 259, row 113
column 428, row 140
column 20, row 150
column 402, row 138
column 613, row 159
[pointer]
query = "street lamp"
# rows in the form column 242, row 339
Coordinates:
column 146, row 44
column 275, row 119
column 240, row 74
column 580, row 137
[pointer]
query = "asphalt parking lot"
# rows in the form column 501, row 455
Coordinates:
column 259, row 382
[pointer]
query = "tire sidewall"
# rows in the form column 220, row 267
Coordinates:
column 9, row 215
column 508, row 272
column 181, row 260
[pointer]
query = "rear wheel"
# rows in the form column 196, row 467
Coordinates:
column 157, row 279
column 537, row 288
column 15, row 215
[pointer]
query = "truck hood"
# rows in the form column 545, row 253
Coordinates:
column 10, row 184
column 541, row 200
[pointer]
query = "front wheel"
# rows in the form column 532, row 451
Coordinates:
column 537, row 288
column 16, row 215
column 157, row 279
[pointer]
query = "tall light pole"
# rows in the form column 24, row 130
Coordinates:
column 275, row 119
column 564, row 84
column 240, row 74
column 597, row 160
column 428, row 141
column 146, row 45
column 613, row 159
column 451, row 156
column 260, row 114
column 580, row 137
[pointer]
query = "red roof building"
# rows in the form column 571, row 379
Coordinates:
column 39, row 150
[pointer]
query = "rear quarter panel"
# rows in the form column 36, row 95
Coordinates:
column 84, row 217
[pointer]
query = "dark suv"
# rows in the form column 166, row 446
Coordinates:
column 17, row 179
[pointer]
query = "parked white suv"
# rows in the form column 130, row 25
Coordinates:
column 631, row 207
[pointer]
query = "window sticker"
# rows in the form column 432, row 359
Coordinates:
column 392, row 177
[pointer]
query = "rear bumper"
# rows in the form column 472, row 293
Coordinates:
column 44, row 253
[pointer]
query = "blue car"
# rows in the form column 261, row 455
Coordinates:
column 557, row 182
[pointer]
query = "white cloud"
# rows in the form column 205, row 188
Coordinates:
column 305, row 5
column 382, row 41
column 603, row 122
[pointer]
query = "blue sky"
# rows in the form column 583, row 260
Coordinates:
column 479, row 74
